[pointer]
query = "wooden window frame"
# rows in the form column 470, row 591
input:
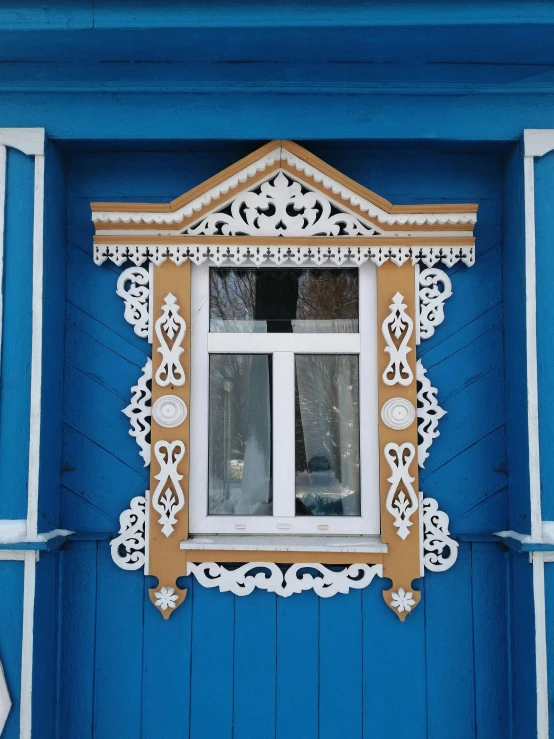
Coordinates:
column 284, row 347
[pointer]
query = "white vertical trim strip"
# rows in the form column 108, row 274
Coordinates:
column 3, row 174
column 283, row 443
column 199, row 395
column 369, row 401
column 36, row 349
column 417, row 305
column 26, row 712
column 531, row 347
column 541, row 666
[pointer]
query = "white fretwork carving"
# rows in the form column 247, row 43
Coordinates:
column 429, row 413
column 294, row 579
column 139, row 411
column 128, row 549
column 133, row 285
column 402, row 501
column 168, row 498
column 398, row 413
column 435, row 288
column 397, row 330
column 439, row 550
column 170, row 330
column 281, row 207
column 402, row 600
column 256, row 255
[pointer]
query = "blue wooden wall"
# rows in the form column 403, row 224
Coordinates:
column 263, row 666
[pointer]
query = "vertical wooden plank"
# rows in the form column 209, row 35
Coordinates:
column 340, row 666
column 16, row 342
column 11, row 630
column 166, row 692
column 449, row 647
column 255, row 657
column 45, row 647
column 119, row 650
column 212, row 684
column 170, row 443
column 398, row 467
column 77, row 637
column 394, row 677
column 489, row 636
column 298, row 666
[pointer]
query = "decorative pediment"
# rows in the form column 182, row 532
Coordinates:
column 289, row 204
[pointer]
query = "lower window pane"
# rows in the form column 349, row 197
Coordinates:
column 327, row 435
column 240, row 435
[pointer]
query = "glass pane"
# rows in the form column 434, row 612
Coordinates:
column 284, row 300
column 327, row 435
column 240, row 435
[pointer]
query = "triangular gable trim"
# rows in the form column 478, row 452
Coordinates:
column 296, row 163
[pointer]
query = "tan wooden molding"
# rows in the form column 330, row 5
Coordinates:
column 170, row 392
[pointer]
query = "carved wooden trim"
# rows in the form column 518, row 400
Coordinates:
column 396, row 346
column 169, row 466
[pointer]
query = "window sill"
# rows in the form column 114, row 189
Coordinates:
column 271, row 543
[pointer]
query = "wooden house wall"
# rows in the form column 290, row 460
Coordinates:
column 263, row 666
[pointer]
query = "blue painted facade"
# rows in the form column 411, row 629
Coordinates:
column 418, row 103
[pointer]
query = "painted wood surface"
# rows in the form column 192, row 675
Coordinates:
column 11, row 628
column 16, row 342
column 263, row 666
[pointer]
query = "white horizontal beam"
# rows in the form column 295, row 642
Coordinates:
column 297, row 343
column 28, row 140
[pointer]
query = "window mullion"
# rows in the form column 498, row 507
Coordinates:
column 283, row 434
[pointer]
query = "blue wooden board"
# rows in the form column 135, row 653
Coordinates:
column 11, row 631
column 15, row 367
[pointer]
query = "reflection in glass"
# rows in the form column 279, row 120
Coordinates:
column 284, row 300
column 240, row 435
column 327, row 435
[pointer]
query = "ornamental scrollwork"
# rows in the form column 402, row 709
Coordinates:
column 402, row 501
column 285, row 582
column 128, row 549
column 429, row 413
column 170, row 329
column 139, row 411
column 168, row 498
column 397, row 330
column 440, row 551
column 435, row 287
column 133, row 285
column 281, row 207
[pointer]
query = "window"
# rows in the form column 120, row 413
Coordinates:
column 284, row 419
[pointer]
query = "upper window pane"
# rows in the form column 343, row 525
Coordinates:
column 284, row 300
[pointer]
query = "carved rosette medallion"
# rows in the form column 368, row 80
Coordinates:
column 169, row 411
column 398, row 413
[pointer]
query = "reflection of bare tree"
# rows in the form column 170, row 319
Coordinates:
column 302, row 294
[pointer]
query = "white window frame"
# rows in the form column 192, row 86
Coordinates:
column 283, row 348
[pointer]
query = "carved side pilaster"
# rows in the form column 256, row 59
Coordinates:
column 398, row 439
column 169, row 466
